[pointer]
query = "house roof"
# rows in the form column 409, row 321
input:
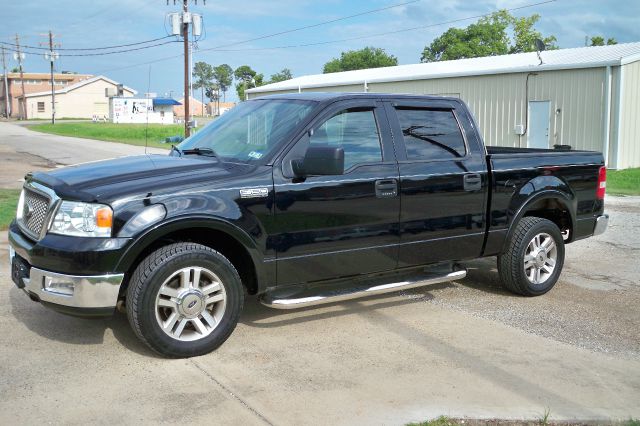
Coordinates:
column 165, row 101
column 78, row 85
column 46, row 76
column 582, row 57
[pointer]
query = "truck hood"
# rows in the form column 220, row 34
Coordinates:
column 103, row 180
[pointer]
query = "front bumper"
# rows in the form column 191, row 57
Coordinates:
column 601, row 224
column 92, row 295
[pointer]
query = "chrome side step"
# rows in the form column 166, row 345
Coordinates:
column 351, row 293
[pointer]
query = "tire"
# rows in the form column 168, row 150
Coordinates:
column 539, row 243
column 197, row 316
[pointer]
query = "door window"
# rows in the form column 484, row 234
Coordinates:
column 431, row 134
column 356, row 132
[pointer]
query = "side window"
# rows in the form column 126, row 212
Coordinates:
column 430, row 134
column 356, row 132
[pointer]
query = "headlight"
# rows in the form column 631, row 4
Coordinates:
column 82, row 220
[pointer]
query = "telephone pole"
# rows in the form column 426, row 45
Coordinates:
column 187, row 72
column 180, row 23
column 52, row 56
column 6, row 85
column 19, row 56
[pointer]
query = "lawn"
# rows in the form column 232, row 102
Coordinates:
column 623, row 182
column 132, row 134
column 8, row 204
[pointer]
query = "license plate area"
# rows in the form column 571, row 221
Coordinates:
column 19, row 271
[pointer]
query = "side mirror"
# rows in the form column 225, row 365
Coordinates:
column 320, row 160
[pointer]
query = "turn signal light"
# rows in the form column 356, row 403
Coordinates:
column 104, row 218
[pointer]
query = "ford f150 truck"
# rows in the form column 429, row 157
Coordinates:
column 298, row 200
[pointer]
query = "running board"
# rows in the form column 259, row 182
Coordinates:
column 354, row 293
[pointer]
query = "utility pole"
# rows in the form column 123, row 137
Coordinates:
column 52, row 56
column 187, row 71
column 183, row 21
column 19, row 56
column 6, row 85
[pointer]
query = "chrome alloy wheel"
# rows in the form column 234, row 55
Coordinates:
column 190, row 303
column 540, row 258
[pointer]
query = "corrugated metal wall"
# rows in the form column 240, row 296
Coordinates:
column 577, row 97
column 629, row 144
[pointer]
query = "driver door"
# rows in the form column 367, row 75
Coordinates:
column 340, row 225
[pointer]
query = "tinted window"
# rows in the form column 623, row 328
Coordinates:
column 251, row 130
column 356, row 132
column 431, row 134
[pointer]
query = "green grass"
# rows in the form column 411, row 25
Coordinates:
column 132, row 134
column 623, row 182
column 440, row 421
column 8, row 204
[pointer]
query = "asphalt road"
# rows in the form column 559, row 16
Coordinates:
column 460, row 349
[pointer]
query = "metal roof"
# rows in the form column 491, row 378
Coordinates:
column 165, row 101
column 581, row 57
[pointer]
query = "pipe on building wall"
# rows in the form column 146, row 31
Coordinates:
column 618, row 141
column 607, row 114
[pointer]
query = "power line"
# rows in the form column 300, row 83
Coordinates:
column 91, row 48
column 220, row 48
column 103, row 53
column 368, row 12
column 366, row 36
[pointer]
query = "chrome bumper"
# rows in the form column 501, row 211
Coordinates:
column 73, row 291
column 601, row 224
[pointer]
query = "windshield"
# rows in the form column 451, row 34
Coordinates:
column 251, row 130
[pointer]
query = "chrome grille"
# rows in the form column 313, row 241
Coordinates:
column 34, row 212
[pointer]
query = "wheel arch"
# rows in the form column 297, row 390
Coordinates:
column 222, row 236
column 552, row 204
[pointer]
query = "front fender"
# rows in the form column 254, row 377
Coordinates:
column 148, row 237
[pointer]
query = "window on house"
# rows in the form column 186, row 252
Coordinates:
column 40, row 106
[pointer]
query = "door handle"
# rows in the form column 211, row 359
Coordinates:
column 386, row 188
column 472, row 182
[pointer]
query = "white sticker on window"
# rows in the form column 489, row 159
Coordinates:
column 256, row 155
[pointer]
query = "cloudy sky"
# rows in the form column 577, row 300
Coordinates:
column 98, row 23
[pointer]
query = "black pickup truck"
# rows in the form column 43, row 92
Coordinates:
column 298, row 200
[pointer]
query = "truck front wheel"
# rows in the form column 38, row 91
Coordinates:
column 534, row 257
column 184, row 300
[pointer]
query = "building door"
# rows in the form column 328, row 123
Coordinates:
column 539, row 117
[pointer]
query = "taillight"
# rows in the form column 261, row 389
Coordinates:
column 602, row 183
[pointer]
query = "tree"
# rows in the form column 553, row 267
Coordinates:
column 203, row 73
column 246, row 78
column 599, row 41
column 223, row 76
column 487, row 37
column 283, row 75
column 369, row 57
column 525, row 35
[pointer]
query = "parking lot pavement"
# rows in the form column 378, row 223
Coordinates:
column 460, row 349
column 23, row 150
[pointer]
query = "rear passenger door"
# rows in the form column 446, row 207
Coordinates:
column 443, row 181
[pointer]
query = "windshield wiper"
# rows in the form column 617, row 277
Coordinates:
column 200, row 151
column 174, row 148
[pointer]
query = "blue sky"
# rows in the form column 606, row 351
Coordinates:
column 84, row 24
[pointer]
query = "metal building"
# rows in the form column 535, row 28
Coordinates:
column 588, row 98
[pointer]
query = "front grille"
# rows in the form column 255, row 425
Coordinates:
column 34, row 212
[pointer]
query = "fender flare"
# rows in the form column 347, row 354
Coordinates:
column 563, row 198
column 142, row 241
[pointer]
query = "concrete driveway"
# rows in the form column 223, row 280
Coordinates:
column 460, row 349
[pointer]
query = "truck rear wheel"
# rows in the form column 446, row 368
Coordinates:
column 534, row 257
column 184, row 300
